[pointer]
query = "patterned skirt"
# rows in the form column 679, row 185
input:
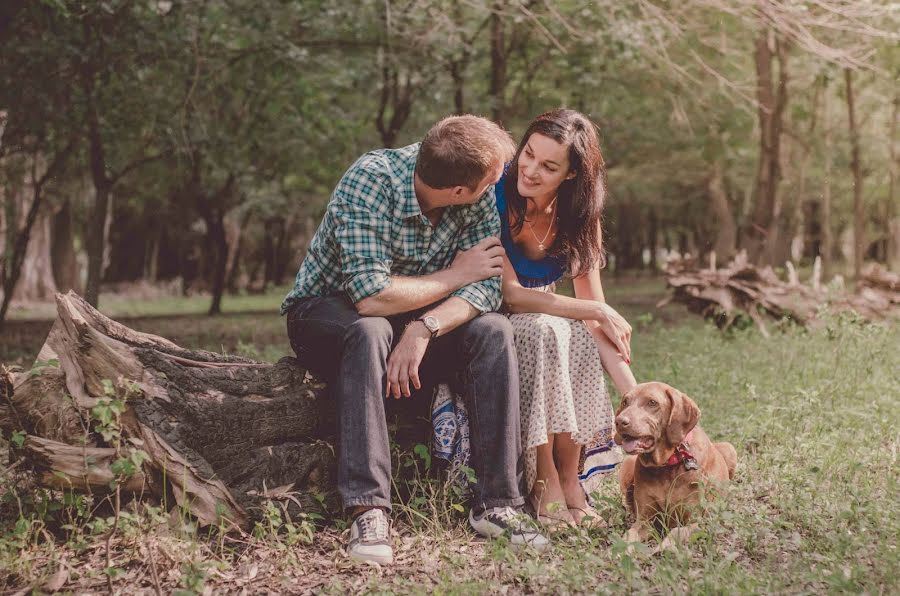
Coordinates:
column 562, row 390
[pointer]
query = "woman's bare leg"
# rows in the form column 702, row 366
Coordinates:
column 567, row 454
column 547, row 495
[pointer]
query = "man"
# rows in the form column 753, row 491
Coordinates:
column 401, row 276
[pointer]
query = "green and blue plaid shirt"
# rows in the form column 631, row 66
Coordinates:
column 374, row 228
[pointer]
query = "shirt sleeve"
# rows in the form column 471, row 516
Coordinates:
column 484, row 221
column 362, row 234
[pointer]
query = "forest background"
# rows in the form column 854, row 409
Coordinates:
column 191, row 146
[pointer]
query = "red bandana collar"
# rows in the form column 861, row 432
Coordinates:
column 682, row 454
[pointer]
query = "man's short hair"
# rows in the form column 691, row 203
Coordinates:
column 461, row 150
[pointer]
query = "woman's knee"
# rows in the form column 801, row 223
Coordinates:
column 547, row 330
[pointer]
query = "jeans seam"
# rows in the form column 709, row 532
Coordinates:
column 480, row 442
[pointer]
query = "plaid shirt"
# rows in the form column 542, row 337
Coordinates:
column 374, row 228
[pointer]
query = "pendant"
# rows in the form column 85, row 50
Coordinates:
column 541, row 245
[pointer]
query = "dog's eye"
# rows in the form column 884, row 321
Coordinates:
column 652, row 403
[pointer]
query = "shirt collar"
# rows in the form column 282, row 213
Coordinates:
column 409, row 204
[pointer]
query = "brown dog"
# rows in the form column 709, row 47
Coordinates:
column 669, row 456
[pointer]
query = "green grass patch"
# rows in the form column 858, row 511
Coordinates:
column 814, row 507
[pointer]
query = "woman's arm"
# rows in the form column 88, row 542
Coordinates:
column 615, row 363
column 584, row 307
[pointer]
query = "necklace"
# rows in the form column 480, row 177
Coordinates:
column 541, row 241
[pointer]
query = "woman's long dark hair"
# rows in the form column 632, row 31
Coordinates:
column 580, row 203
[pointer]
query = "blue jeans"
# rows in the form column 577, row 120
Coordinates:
column 350, row 352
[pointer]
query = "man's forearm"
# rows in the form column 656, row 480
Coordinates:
column 452, row 313
column 406, row 294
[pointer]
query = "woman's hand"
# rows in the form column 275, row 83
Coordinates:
column 616, row 328
column 482, row 261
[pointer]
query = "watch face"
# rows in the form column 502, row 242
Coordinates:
column 432, row 324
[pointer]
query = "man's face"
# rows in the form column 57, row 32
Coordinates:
column 463, row 196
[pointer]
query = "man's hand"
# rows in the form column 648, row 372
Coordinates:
column 482, row 261
column 616, row 328
column 403, row 363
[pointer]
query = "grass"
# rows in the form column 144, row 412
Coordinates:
column 814, row 507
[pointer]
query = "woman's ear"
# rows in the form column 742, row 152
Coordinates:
column 571, row 175
column 683, row 418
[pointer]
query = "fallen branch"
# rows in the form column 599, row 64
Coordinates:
column 725, row 294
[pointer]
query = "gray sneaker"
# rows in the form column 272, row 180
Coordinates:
column 370, row 538
column 520, row 528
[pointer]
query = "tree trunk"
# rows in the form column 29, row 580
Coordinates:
column 235, row 248
column 36, row 281
column 827, row 249
column 62, row 249
column 726, row 229
column 498, row 64
column 892, row 221
column 653, row 238
column 222, row 433
column 95, row 240
column 216, row 229
column 859, row 243
column 761, row 234
column 16, row 245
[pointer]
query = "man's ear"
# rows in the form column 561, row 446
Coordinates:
column 683, row 418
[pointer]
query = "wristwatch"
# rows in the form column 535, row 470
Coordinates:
column 432, row 324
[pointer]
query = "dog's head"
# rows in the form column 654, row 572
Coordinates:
column 654, row 417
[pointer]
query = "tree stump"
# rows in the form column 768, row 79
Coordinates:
column 222, row 433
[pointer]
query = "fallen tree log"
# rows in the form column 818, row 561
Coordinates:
column 725, row 294
column 220, row 433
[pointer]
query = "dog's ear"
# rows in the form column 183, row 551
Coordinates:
column 623, row 403
column 683, row 418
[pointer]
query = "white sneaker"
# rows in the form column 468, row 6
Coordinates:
column 520, row 528
column 370, row 538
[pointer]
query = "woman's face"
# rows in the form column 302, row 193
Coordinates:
column 543, row 166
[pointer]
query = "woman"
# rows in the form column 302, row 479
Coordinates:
column 550, row 201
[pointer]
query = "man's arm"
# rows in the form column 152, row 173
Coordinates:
column 403, row 363
column 462, row 306
column 484, row 223
column 405, row 294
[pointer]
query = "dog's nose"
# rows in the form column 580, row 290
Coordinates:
column 621, row 421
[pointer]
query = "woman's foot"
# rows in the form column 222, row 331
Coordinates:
column 576, row 503
column 549, row 504
column 587, row 517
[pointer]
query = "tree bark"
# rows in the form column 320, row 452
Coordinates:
column 222, row 432
column 215, row 228
column 762, row 233
column 892, row 222
column 726, row 229
column 497, row 89
column 17, row 240
column 859, row 243
column 827, row 249
column 62, row 249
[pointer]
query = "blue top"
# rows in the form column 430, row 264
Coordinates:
column 531, row 273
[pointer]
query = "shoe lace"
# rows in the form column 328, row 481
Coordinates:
column 373, row 527
column 507, row 514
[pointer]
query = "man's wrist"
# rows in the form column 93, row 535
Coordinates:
column 417, row 328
